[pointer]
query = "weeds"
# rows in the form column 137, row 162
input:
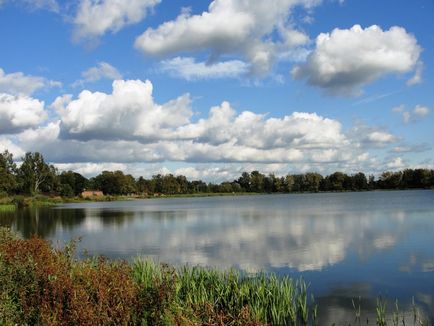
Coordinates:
column 6, row 208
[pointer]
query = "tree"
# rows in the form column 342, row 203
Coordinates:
column 289, row 183
column 36, row 175
column 75, row 181
column 244, row 181
column 312, row 182
column 336, row 181
column 115, row 183
column 359, row 181
column 390, row 180
column 8, row 170
column 257, row 181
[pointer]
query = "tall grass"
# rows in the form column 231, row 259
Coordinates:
column 268, row 299
column 6, row 208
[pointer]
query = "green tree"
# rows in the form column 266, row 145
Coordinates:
column 35, row 175
column 75, row 181
column 245, row 181
column 336, row 181
column 359, row 181
column 289, row 183
column 312, row 182
column 257, row 181
column 390, row 180
column 8, row 171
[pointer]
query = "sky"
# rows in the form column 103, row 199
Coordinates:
column 209, row 89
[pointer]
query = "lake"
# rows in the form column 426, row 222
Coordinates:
column 346, row 245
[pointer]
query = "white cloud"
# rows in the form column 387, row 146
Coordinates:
column 128, row 126
column 421, row 111
column 102, row 70
column 345, row 60
column 417, row 78
column 18, row 83
column 96, row 17
column 20, row 112
column 15, row 150
column 418, row 113
column 380, row 137
column 189, row 69
column 396, row 164
column 90, row 169
column 364, row 136
column 128, row 113
column 255, row 30
column 298, row 130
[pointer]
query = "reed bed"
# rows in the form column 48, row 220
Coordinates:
column 7, row 208
column 269, row 299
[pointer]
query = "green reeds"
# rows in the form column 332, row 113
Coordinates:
column 381, row 312
column 270, row 299
column 6, row 208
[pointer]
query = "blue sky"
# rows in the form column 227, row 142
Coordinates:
column 212, row 88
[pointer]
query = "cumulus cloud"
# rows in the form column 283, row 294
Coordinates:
column 345, row 60
column 19, row 83
column 14, row 149
column 187, row 68
column 128, row 126
column 102, row 70
column 20, row 112
column 128, row 113
column 255, row 30
column 365, row 136
column 96, row 17
column 298, row 130
column 418, row 113
column 90, row 169
column 396, row 164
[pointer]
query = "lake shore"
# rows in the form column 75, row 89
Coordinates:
column 7, row 203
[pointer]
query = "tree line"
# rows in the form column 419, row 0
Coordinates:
column 35, row 176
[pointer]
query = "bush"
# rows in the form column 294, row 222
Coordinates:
column 45, row 286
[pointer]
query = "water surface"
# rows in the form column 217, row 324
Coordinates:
column 346, row 245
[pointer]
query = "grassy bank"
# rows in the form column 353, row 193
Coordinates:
column 42, row 285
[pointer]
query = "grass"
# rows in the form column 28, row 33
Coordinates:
column 267, row 298
column 6, row 208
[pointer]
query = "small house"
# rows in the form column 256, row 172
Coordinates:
column 92, row 193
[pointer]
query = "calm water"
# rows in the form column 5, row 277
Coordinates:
column 345, row 244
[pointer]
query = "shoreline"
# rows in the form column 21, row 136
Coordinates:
column 19, row 201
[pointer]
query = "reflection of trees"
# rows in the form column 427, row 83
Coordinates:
column 110, row 217
column 44, row 221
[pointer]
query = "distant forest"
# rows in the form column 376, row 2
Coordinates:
column 35, row 176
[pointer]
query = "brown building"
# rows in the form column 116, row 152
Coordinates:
column 92, row 193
